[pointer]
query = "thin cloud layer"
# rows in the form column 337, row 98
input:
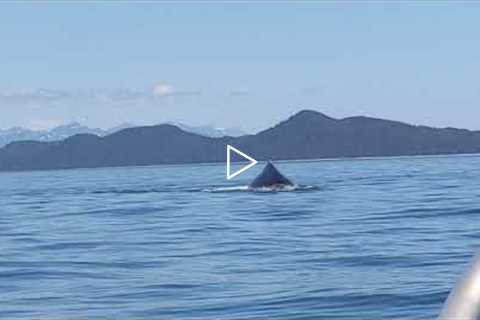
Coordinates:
column 49, row 97
column 162, row 90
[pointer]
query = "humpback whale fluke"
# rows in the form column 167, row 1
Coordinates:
column 270, row 177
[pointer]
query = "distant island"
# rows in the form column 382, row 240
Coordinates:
column 306, row 135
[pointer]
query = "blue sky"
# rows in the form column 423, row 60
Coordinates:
column 245, row 65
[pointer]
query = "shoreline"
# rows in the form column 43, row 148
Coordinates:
column 202, row 164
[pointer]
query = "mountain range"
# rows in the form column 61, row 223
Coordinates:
column 64, row 131
column 58, row 133
column 305, row 135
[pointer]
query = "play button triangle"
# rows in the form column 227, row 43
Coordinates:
column 252, row 162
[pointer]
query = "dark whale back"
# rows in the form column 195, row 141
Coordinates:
column 270, row 176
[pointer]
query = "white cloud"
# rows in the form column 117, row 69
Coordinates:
column 162, row 90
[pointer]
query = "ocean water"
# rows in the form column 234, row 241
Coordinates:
column 366, row 239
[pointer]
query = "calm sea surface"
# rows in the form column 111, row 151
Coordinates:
column 374, row 239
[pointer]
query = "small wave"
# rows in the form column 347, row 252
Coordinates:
column 294, row 188
column 134, row 191
column 124, row 191
column 215, row 189
column 227, row 189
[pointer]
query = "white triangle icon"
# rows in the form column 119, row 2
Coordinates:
column 248, row 166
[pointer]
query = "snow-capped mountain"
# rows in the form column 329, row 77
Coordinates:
column 65, row 131
column 57, row 133
column 209, row 131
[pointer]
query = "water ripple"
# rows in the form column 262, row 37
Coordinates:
column 383, row 239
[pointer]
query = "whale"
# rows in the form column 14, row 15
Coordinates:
column 270, row 177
